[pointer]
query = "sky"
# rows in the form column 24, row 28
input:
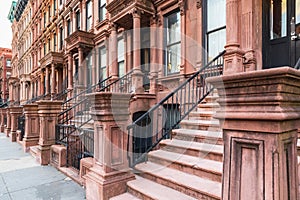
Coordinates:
column 5, row 25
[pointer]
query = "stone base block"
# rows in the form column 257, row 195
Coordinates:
column 19, row 137
column 58, row 155
column 29, row 142
column 13, row 136
column 43, row 155
column 85, row 165
column 2, row 129
column 100, row 185
column 7, row 131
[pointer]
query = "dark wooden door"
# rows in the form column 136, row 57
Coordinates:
column 281, row 29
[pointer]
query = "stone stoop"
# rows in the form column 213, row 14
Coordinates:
column 188, row 166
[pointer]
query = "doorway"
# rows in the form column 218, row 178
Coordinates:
column 281, row 33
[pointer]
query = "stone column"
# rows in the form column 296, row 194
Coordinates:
column 137, row 76
column 32, row 126
column 42, row 89
column 15, row 112
column 153, row 59
column 233, row 58
column 70, row 73
column 183, row 67
column 199, row 60
column 113, row 61
column 110, row 172
column 47, row 81
column 48, row 112
column 53, row 80
column 260, row 115
column 8, row 127
column 81, row 68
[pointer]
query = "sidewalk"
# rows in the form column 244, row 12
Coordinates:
column 21, row 178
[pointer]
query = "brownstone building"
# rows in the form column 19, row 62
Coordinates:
column 5, row 69
column 104, row 85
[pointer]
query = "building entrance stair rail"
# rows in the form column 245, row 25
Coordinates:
column 145, row 133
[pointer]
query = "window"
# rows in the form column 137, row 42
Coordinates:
column 54, row 42
column 216, row 27
column 121, row 67
column 78, row 20
column 173, row 46
column 89, row 70
column 102, row 10
column 89, row 12
column 61, row 38
column 278, row 14
column 49, row 45
column 68, row 27
column 45, row 49
column 49, row 13
column 54, row 7
column 8, row 62
column 102, row 63
column 45, row 19
column 60, row 2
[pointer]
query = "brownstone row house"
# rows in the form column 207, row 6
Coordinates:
column 5, row 71
column 97, row 87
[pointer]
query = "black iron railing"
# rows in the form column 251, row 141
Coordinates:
column 4, row 104
column 21, row 126
column 121, row 85
column 156, row 124
column 34, row 99
column 80, row 143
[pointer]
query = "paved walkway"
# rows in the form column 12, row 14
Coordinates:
column 21, row 178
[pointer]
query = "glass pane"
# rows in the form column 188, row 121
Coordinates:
column 278, row 17
column 102, row 57
column 173, row 56
column 120, row 50
column 297, row 11
column 216, row 14
column 121, row 69
column 173, row 25
column 216, row 43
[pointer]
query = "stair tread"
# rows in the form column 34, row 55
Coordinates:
column 157, row 191
column 200, row 121
column 125, row 196
column 192, row 161
column 196, row 183
column 208, row 105
column 194, row 145
column 194, row 133
column 204, row 112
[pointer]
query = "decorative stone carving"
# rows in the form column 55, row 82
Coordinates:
column 199, row 4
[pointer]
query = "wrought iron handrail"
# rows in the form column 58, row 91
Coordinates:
column 5, row 104
column 148, row 130
column 34, row 99
column 121, row 85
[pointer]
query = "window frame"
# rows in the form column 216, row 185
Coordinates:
column 101, row 10
column 89, row 16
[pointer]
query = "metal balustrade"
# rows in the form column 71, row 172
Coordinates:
column 156, row 124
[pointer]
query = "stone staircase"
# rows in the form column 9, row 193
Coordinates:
column 188, row 166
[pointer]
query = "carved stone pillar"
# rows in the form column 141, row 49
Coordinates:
column 154, row 59
column 47, row 82
column 15, row 112
column 32, row 126
column 53, row 80
column 110, row 172
column 3, row 121
column 8, row 122
column 233, row 58
column 260, row 113
column 48, row 112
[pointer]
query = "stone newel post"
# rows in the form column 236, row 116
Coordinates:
column 48, row 112
column 32, row 126
column 3, row 115
column 261, row 112
column 110, row 172
column 15, row 112
column 8, row 122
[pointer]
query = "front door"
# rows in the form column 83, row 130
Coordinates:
column 281, row 33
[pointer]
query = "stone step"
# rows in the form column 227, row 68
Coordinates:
column 211, row 98
column 147, row 189
column 211, row 137
column 191, row 185
column 208, row 107
column 212, row 125
column 203, row 115
column 197, row 149
column 125, row 196
column 204, row 168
